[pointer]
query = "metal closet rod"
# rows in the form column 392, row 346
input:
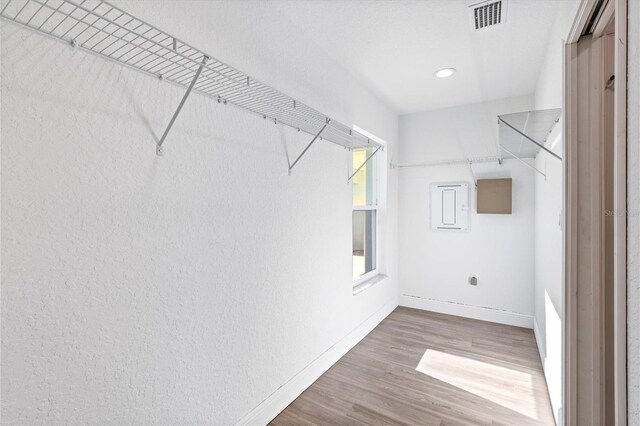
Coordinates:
column 468, row 162
column 97, row 27
column 457, row 162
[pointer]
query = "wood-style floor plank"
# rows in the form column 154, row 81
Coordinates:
column 424, row 368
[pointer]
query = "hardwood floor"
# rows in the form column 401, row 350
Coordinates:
column 423, row 368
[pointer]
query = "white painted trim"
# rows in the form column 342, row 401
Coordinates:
column 364, row 278
column 541, row 348
column 268, row 409
column 557, row 411
column 467, row 311
column 368, row 283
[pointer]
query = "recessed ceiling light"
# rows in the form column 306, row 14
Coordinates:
column 445, row 72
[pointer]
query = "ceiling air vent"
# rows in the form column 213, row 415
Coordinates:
column 487, row 13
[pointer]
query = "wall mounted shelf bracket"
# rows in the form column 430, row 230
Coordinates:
column 529, row 138
column 159, row 149
column 473, row 176
column 308, row 146
column 524, row 134
column 523, row 162
column 363, row 164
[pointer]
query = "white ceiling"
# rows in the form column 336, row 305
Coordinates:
column 394, row 47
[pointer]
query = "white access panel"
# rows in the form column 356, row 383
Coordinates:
column 450, row 206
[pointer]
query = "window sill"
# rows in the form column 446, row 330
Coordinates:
column 360, row 287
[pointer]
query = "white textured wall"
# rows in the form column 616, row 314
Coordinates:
column 548, row 237
column 548, row 93
column 435, row 265
column 633, row 202
column 182, row 289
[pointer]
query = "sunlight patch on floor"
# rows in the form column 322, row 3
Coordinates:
column 509, row 388
column 553, row 354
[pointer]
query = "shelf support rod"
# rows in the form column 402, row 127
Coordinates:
column 473, row 176
column 365, row 162
column 524, row 162
column 308, row 146
column 530, row 139
column 159, row 150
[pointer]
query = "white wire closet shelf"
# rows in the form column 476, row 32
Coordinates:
column 451, row 162
column 523, row 134
column 103, row 29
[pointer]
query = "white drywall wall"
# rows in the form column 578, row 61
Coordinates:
column 548, row 93
column 548, row 200
column 498, row 249
column 633, row 215
column 184, row 289
column 548, row 232
column 548, row 265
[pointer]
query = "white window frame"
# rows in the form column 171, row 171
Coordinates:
column 374, row 272
column 379, row 177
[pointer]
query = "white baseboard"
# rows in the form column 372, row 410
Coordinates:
column 467, row 311
column 541, row 350
column 288, row 392
column 557, row 410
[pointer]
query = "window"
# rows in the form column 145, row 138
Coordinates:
column 365, row 215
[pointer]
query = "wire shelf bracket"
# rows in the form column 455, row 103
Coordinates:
column 473, row 175
column 532, row 127
column 524, row 162
column 159, row 148
column 363, row 164
column 99, row 28
column 308, row 146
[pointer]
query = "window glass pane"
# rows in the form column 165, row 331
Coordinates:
column 364, row 242
column 364, row 180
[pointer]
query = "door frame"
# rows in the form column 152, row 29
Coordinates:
column 570, row 262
